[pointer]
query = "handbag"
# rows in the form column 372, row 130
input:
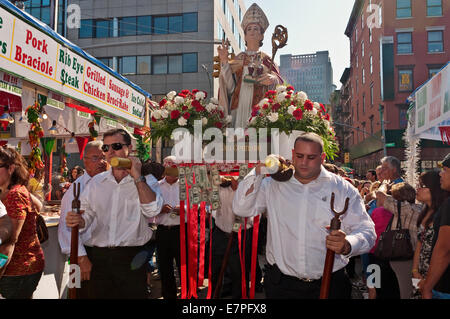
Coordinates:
column 41, row 228
column 395, row 244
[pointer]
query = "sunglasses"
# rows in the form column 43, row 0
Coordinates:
column 114, row 146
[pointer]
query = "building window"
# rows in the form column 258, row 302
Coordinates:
column 405, row 78
column 404, row 42
column 435, row 41
column 362, row 48
column 190, row 63
column 107, row 61
column 103, row 28
column 190, row 22
column 357, row 111
column 144, row 64
column 371, row 125
column 433, row 71
column 363, row 76
column 175, row 64
column 403, row 8
column 370, row 35
column 127, row 26
column 160, row 25
column 86, row 29
column 144, row 25
column 364, row 104
column 127, row 65
column 40, row 9
column 371, row 64
column 159, row 64
column 371, row 94
column 175, row 24
column 434, row 8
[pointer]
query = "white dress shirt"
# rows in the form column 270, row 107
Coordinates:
column 297, row 215
column 64, row 232
column 2, row 209
column 171, row 196
column 224, row 218
column 121, row 218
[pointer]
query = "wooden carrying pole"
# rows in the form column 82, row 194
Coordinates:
column 329, row 259
column 74, row 236
column 224, row 266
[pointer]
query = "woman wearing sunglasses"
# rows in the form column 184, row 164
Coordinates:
column 119, row 201
column 26, row 258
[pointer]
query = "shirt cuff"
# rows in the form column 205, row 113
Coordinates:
column 353, row 241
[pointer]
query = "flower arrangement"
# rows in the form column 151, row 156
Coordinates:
column 182, row 109
column 288, row 110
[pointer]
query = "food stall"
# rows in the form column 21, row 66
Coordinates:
column 54, row 98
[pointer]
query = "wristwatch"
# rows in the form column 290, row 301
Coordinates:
column 139, row 179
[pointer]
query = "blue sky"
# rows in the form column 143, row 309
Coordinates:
column 313, row 25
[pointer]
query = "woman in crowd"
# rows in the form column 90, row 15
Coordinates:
column 20, row 276
column 409, row 212
column 75, row 172
column 432, row 196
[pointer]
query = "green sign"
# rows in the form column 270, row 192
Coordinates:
column 390, row 144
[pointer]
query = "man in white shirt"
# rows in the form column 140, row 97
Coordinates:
column 5, row 224
column 168, row 231
column 224, row 220
column 298, row 212
column 120, row 201
column 94, row 163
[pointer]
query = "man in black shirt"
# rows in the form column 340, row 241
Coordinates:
column 437, row 283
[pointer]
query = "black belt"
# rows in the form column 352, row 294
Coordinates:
column 275, row 271
column 168, row 227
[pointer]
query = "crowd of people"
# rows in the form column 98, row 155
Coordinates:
column 130, row 217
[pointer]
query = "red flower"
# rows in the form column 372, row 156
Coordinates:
column 265, row 106
column 197, row 105
column 187, row 115
column 255, row 107
column 327, row 117
column 163, row 102
column 255, row 112
column 206, row 94
column 218, row 125
column 194, row 91
column 288, row 97
column 270, row 101
column 309, row 105
column 323, row 108
column 184, row 108
column 221, row 114
column 174, row 114
column 290, row 88
column 182, row 95
column 185, row 92
column 153, row 119
column 276, row 106
column 298, row 114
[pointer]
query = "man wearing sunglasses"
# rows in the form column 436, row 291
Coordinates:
column 119, row 201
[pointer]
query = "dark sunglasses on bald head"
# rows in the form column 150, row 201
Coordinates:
column 114, row 146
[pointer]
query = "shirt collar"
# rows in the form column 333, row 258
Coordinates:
column 323, row 176
column 109, row 176
column 164, row 181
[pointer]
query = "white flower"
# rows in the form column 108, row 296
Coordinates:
column 314, row 111
column 273, row 117
column 171, row 95
column 281, row 97
column 229, row 118
column 281, row 88
column 263, row 101
column 170, row 106
column 204, row 121
column 182, row 121
column 200, row 95
column 211, row 107
column 291, row 109
column 164, row 113
column 301, row 96
column 316, row 105
column 214, row 100
column 156, row 114
column 179, row 100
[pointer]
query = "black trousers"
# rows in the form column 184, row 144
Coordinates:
column 114, row 275
column 168, row 249
column 389, row 287
column 219, row 245
column 280, row 286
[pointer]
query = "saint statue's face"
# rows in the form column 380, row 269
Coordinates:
column 253, row 34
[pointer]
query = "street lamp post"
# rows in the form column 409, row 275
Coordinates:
column 383, row 132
